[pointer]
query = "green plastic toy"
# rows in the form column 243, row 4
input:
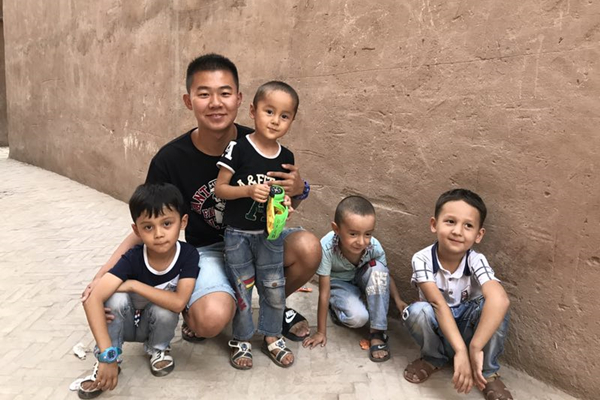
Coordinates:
column 277, row 213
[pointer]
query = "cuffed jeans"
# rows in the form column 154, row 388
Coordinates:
column 346, row 303
column 420, row 320
column 252, row 260
column 156, row 327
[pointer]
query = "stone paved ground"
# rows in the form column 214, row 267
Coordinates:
column 56, row 233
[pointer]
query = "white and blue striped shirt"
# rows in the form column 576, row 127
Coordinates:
column 462, row 285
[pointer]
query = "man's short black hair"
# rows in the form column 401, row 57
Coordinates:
column 357, row 205
column 272, row 86
column 469, row 197
column 211, row 62
column 153, row 198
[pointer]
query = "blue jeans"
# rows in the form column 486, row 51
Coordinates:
column 345, row 297
column 212, row 276
column 419, row 318
column 156, row 327
column 253, row 260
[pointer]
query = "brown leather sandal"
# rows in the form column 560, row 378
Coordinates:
column 496, row 390
column 419, row 371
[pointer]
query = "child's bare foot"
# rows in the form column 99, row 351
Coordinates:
column 241, row 354
column 379, row 350
column 275, row 348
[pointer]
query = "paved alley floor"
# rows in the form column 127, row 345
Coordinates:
column 55, row 235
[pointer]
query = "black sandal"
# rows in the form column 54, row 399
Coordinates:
column 290, row 318
column 334, row 317
column 379, row 347
column 190, row 338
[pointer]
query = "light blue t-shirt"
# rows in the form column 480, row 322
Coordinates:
column 335, row 265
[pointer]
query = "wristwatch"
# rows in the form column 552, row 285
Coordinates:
column 109, row 355
column 304, row 193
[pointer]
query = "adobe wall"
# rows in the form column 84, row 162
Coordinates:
column 399, row 101
column 3, row 119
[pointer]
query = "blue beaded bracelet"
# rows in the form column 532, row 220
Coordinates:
column 304, row 193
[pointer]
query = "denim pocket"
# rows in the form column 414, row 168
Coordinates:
column 237, row 250
column 274, row 292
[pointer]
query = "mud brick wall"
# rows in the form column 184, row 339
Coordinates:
column 3, row 118
column 399, row 102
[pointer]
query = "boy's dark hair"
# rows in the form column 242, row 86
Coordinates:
column 210, row 62
column 272, row 86
column 469, row 197
column 152, row 198
column 357, row 205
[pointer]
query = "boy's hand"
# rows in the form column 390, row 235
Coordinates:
column 287, row 201
column 259, row 193
column 401, row 305
column 290, row 181
column 108, row 376
column 314, row 340
column 88, row 289
column 476, row 357
column 463, row 377
column 108, row 315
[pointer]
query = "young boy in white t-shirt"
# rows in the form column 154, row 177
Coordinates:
column 462, row 314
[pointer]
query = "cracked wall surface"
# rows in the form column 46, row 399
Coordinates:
column 400, row 101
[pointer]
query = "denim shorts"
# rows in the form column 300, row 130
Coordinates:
column 212, row 277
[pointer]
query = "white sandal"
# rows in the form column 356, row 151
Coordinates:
column 244, row 350
column 92, row 392
column 157, row 357
column 283, row 351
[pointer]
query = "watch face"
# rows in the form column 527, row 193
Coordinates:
column 111, row 355
column 276, row 190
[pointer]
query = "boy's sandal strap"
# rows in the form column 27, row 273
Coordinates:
column 156, row 358
column 290, row 318
column 379, row 335
column 419, row 371
column 93, row 392
column 189, row 335
column 244, row 350
column 496, row 390
column 242, row 346
column 283, row 351
column 379, row 347
column 278, row 344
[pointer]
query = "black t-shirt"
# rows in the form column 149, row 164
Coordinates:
column 249, row 167
column 180, row 163
column 134, row 265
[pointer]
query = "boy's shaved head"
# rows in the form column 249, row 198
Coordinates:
column 469, row 197
column 357, row 205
